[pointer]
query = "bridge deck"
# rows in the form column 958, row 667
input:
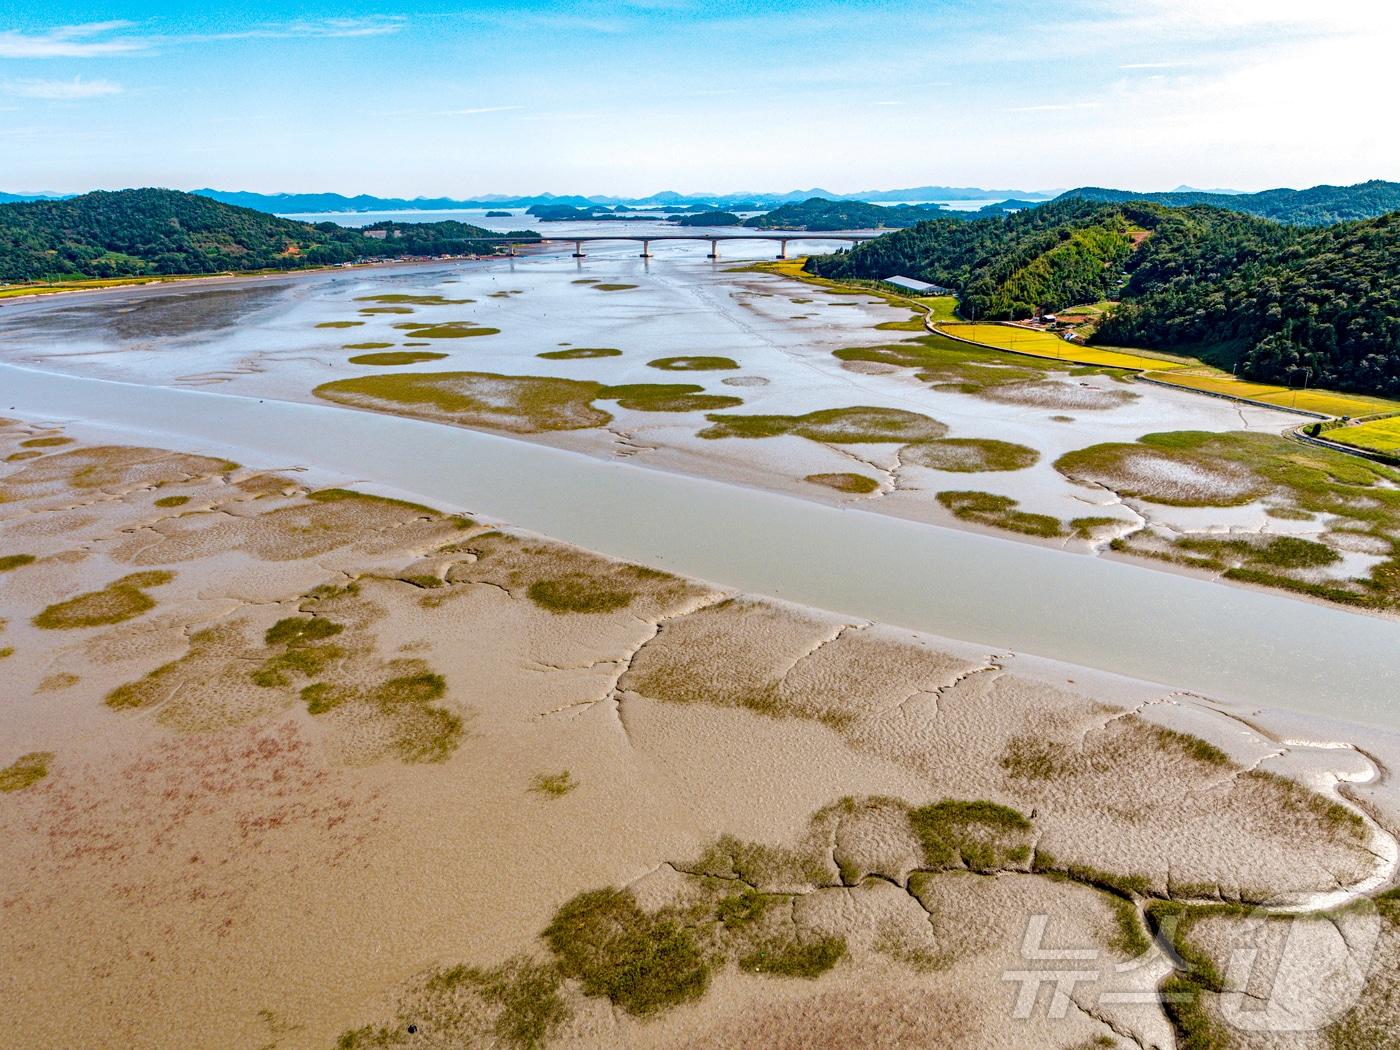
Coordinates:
column 775, row 236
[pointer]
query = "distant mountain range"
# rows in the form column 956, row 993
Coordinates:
column 312, row 203
column 1317, row 206
column 309, row 203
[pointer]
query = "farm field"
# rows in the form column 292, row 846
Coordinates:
column 1043, row 344
column 1381, row 435
column 1326, row 402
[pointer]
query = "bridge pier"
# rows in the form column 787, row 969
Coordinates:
column 714, row 249
column 646, row 248
column 782, row 248
column 578, row 250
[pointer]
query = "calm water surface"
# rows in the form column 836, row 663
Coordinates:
column 1240, row 645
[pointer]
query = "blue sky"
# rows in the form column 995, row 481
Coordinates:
column 628, row 98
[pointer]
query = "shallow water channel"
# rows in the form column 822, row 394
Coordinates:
column 1239, row 645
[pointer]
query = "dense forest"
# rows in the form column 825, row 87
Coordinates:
column 1317, row 206
column 136, row 232
column 1283, row 302
column 1004, row 268
column 1275, row 299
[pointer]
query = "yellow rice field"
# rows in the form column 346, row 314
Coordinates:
column 1044, row 344
column 1326, row 402
column 1381, row 435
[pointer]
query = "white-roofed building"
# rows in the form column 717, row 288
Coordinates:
column 908, row 284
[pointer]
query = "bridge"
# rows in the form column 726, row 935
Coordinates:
column 713, row 239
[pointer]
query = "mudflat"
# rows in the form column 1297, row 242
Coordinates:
column 290, row 763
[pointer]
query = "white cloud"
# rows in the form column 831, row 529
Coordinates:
column 89, row 40
column 1055, row 107
column 324, row 28
column 481, row 109
column 106, row 39
column 65, row 90
column 891, row 102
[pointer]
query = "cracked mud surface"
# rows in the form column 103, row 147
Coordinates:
column 342, row 722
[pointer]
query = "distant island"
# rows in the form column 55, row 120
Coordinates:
column 818, row 213
column 707, row 218
column 498, row 215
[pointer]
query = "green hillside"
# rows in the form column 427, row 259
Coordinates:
column 150, row 231
column 1286, row 303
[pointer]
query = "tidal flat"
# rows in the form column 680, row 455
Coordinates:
column 343, row 717
column 1008, row 427
column 262, row 714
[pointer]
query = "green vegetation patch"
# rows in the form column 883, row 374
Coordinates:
column 858, row 484
column 808, row 957
column 120, row 600
column 854, row 425
column 167, row 502
column 580, row 353
column 298, row 637
column 668, row 397
column 978, row 835
column 419, row 731
column 340, row 324
column 971, row 455
column 338, row 495
column 396, row 357
column 579, row 593
column 604, row 286
column 10, row 562
column 1197, row 468
column 521, row 404
column 368, row 346
column 555, row 785
column 371, row 310
column 693, row 364
column 46, row 442
column 1085, row 527
column 25, row 771
column 643, row 962
column 516, row 1004
column 986, row 508
column 453, row 331
column 413, row 300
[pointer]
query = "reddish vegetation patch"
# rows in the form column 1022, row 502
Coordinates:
column 201, row 821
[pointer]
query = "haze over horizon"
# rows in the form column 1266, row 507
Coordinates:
column 627, row 99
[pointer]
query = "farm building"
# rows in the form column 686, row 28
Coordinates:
column 908, row 284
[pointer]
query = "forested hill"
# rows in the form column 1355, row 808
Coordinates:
column 1275, row 299
column 1223, row 285
column 1318, row 206
column 1049, row 257
column 151, row 231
